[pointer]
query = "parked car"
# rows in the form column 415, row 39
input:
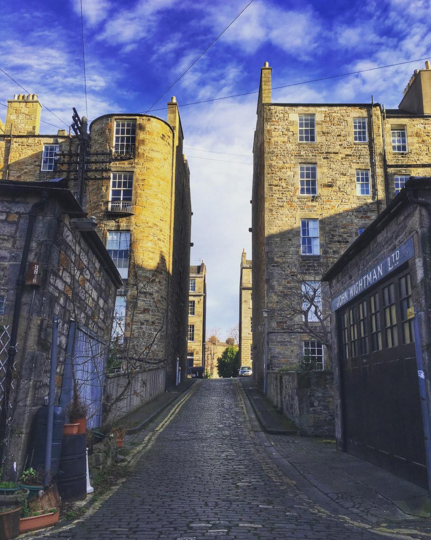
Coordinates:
column 245, row 371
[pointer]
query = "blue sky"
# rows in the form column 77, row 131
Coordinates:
column 136, row 49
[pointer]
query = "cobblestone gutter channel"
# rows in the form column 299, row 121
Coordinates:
column 205, row 469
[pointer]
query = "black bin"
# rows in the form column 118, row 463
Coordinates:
column 38, row 439
column 72, row 474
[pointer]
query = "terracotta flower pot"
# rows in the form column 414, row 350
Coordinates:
column 82, row 425
column 38, row 522
column 70, row 429
column 9, row 523
column 120, row 441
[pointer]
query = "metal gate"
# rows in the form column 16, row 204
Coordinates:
column 382, row 416
column 85, row 363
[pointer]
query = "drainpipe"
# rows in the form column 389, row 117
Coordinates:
column 265, row 348
column 422, row 379
column 20, row 282
column 48, row 453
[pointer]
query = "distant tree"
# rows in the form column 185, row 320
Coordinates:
column 228, row 362
column 230, row 341
column 234, row 334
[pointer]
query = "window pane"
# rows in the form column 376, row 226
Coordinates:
column 399, row 182
column 310, row 237
column 118, row 245
column 399, row 140
column 308, row 179
column 125, row 137
column 50, row 157
column 360, row 129
column 307, row 128
column 362, row 182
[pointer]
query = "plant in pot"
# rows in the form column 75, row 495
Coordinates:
column 39, row 519
column 119, row 433
column 30, row 479
column 9, row 522
column 76, row 411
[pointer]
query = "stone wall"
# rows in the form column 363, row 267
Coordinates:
column 407, row 221
column 198, row 273
column 78, row 282
column 245, row 313
column 307, row 398
column 135, row 389
column 279, row 207
column 159, row 224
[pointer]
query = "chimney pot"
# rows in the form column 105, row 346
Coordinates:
column 173, row 99
column 266, row 64
column 427, row 65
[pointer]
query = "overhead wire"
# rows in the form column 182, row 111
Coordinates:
column 25, row 90
column 199, row 57
column 348, row 74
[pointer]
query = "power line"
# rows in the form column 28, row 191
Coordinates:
column 25, row 90
column 219, row 160
column 199, row 57
column 300, row 83
column 214, row 152
column 83, row 61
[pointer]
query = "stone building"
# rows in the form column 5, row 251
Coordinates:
column 214, row 348
column 322, row 174
column 143, row 209
column 137, row 186
column 381, row 298
column 245, row 313
column 25, row 154
column 52, row 263
column 197, row 317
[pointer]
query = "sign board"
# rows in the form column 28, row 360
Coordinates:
column 33, row 274
column 390, row 263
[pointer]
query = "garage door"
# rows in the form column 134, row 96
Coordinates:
column 382, row 416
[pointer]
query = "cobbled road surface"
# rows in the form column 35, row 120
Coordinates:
column 204, row 474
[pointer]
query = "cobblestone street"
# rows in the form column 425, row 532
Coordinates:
column 205, row 474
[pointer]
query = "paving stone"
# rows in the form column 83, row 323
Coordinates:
column 207, row 476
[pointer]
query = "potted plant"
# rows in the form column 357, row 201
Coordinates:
column 119, row 434
column 11, row 494
column 32, row 521
column 76, row 411
column 30, row 479
column 9, row 522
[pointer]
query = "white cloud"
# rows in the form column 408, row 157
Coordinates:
column 295, row 32
column 94, row 11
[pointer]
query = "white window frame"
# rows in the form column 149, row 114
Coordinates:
column 119, row 323
column 191, row 332
column 192, row 307
column 307, row 128
column 316, row 347
column 310, row 243
column 121, row 192
column 360, row 130
column 399, row 181
column 363, row 184
column 311, row 301
column 125, row 137
column 308, row 179
column 118, row 247
column 49, row 157
column 192, row 285
column 399, row 140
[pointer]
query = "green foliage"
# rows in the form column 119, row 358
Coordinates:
column 8, row 485
column 208, row 374
column 228, row 363
column 29, row 476
column 308, row 363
